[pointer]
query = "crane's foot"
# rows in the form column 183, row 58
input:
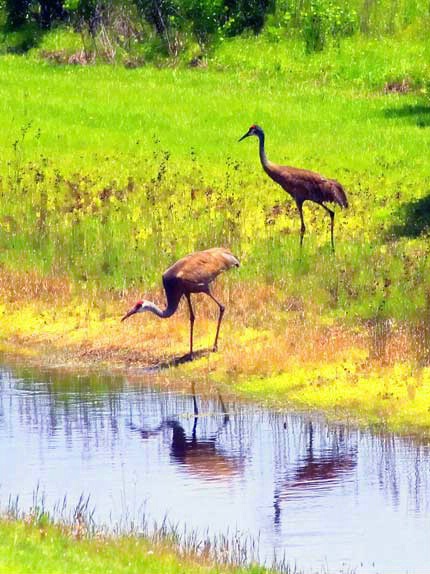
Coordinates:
column 187, row 357
column 215, row 348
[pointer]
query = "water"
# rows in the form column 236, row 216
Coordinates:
column 330, row 497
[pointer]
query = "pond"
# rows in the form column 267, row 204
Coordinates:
column 328, row 496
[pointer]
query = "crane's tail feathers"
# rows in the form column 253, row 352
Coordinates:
column 236, row 262
column 231, row 260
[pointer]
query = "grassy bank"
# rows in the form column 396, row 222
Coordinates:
column 374, row 374
column 38, row 546
column 107, row 175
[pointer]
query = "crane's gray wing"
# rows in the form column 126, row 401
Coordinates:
column 316, row 187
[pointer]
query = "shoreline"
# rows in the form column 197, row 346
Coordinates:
column 297, row 364
column 38, row 542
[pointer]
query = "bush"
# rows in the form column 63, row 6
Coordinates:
column 44, row 13
column 176, row 21
column 16, row 13
column 324, row 20
column 246, row 14
column 206, row 17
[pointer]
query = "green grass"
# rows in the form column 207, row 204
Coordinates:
column 27, row 546
column 393, row 399
column 108, row 175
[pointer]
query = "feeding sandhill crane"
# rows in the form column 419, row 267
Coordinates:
column 192, row 274
column 302, row 184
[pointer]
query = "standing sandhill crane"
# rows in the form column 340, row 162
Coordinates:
column 302, row 184
column 192, row 274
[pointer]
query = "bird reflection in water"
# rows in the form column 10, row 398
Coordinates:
column 200, row 457
column 318, row 471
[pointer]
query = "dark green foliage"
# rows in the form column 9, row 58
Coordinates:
column 16, row 13
column 206, row 17
column 42, row 12
column 50, row 11
column 159, row 13
column 87, row 14
column 246, row 14
column 174, row 26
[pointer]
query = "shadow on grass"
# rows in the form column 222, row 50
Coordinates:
column 418, row 114
column 176, row 361
column 415, row 217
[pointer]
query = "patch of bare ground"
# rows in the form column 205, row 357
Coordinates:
column 18, row 286
column 63, row 57
column 403, row 86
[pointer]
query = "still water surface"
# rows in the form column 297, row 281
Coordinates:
column 330, row 497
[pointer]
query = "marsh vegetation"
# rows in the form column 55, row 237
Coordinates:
column 119, row 155
column 108, row 174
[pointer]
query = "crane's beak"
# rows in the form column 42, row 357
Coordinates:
column 245, row 136
column 130, row 313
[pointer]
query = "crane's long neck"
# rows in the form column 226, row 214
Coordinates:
column 263, row 158
column 163, row 313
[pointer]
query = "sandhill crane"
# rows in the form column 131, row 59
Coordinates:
column 302, row 184
column 192, row 274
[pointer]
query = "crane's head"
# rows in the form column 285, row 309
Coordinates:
column 253, row 131
column 140, row 307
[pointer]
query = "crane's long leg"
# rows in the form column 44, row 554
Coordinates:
column 221, row 313
column 303, row 226
column 192, row 318
column 331, row 213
